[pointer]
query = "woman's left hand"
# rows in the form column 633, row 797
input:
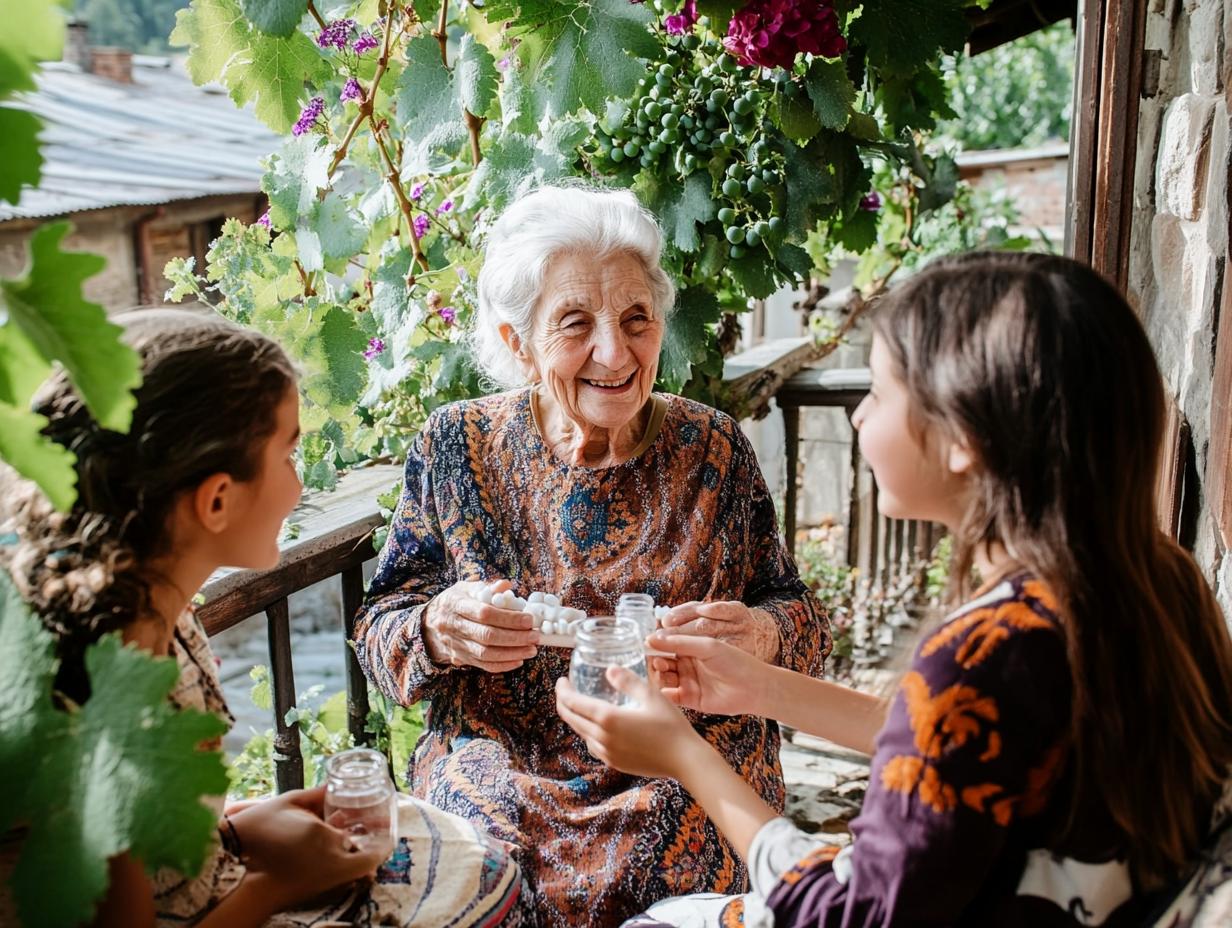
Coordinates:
column 648, row 739
column 751, row 630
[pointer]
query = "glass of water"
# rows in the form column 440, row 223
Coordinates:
column 360, row 798
column 603, row 642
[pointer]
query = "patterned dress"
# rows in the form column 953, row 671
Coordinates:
column 955, row 827
column 687, row 518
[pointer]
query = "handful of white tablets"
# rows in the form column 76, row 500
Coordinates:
column 549, row 616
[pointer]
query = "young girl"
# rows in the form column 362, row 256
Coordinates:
column 205, row 478
column 1053, row 756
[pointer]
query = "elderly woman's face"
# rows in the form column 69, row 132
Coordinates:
column 596, row 339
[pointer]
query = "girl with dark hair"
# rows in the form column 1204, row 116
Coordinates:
column 1056, row 752
column 203, row 479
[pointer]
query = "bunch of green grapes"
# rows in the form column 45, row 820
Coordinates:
column 700, row 110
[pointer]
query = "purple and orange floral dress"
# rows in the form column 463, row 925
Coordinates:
column 963, row 801
column 688, row 517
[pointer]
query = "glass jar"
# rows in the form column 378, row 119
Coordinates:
column 638, row 607
column 603, row 642
column 360, row 798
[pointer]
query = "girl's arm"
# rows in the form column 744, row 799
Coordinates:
column 827, row 710
column 129, row 902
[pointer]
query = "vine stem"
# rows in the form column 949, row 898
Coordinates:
column 441, row 35
column 473, row 125
column 365, row 105
column 315, row 15
column 403, row 203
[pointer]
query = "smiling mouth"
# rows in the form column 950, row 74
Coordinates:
column 612, row 385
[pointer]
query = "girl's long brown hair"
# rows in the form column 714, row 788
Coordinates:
column 209, row 393
column 1044, row 370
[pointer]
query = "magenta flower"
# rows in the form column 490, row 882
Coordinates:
column 417, row 190
column 871, row 202
column 265, row 220
column 444, row 207
column 375, row 347
column 770, row 33
column 448, row 313
column 504, row 63
column 351, row 90
column 365, row 43
column 336, row 35
column 308, row 118
column 684, row 21
column 420, row 225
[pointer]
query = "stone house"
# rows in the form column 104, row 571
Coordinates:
column 145, row 164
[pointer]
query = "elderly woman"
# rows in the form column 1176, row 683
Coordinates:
column 579, row 481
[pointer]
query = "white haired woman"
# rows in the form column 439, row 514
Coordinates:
column 580, row 481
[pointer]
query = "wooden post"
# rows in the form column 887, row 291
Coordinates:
column 853, row 502
column 791, row 430
column 352, row 580
column 288, row 761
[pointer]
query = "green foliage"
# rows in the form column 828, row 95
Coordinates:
column 323, row 732
column 44, row 320
column 1017, row 95
column 139, row 25
column 379, row 206
column 121, row 773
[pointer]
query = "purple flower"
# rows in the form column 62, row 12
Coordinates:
column 265, row 220
column 420, row 225
column 365, row 43
column 444, row 207
column 308, row 118
column 351, row 90
column 336, row 35
column 684, row 21
column 375, row 347
column 871, row 202
column 770, row 33
column 417, row 190
column 504, row 63
column 448, row 313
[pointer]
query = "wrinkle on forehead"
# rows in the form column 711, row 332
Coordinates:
column 617, row 282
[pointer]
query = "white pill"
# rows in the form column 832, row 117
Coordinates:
column 535, row 597
column 661, row 611
column 549, row 627
column 518, row 603
column 572, row 615
column 535, row 610
column 551, row 599
column 485, row 595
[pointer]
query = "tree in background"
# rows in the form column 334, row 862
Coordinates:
column 1015, row 96
column 139, row 25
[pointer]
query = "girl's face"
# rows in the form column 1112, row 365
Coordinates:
column 914, row 480
column 252, row 539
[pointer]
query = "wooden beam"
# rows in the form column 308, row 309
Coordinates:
column 1219, row 457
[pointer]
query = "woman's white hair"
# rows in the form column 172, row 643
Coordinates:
column 538, row 227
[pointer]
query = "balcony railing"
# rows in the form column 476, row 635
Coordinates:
column 336, row 530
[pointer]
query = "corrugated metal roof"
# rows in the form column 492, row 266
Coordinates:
column 157, row 140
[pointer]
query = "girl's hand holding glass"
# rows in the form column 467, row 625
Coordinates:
column 707, row 675
column 647, row 737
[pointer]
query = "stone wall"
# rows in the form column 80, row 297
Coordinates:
column 1179, row 243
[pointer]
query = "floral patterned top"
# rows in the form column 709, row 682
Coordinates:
column 689, row 518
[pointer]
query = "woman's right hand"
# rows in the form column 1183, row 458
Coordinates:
column 294, row 853
column 707, row 675
column 461, row 631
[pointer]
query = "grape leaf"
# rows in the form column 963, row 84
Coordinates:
column 268, row 71
column 22, row 368
column 275, row 17
column 809, row 184
column 428, row 104
column 681, row 213
column 795, row 118
column 754, row 276
column 292, row 178
column 507, row 171
column 48, row 306
column 476, row 76
column 688, row 336
column 831, row 91
column 858, row 232
column 901, row 35
column 22, row 162
column 33, row 32
column 600, row 52
column 122, row 773
column 26, row 450
column 794, row 260
column 390, row 294
column 341, row 234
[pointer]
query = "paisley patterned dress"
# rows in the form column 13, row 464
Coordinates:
column 955, row 827
column 688, row 517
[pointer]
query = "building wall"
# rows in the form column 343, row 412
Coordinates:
column 1179, row 239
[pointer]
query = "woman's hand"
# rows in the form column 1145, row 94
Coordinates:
column 750, row 630
column 461, row 631
column 708, row 675
column 293, row 852
column 648, row 739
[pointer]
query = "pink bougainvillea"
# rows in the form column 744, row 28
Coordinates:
column 770, row 33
